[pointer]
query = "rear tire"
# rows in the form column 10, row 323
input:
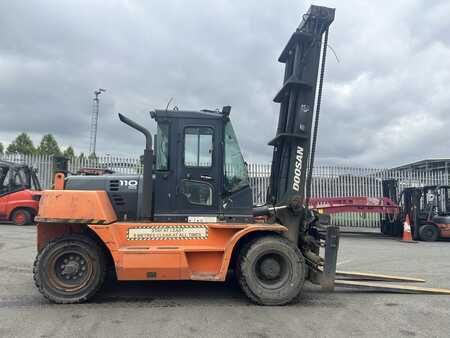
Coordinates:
column 428, row 233
column 70, row 269
column 271, row 271
column 21, row 217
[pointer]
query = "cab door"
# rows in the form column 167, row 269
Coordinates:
column 4, row 200
column 198, row 176
column 5, row 190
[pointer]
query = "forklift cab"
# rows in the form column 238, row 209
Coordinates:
column 199, row 170
column 16, row 177
column 437, row 201
column 423, row 205
column 429, row 205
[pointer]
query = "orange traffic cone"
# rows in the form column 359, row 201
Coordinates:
column 407, row 236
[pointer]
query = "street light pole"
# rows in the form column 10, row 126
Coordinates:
column 94, row 121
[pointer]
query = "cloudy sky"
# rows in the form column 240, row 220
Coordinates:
column 386, row 101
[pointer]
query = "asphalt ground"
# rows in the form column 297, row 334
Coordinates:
column 194, row 309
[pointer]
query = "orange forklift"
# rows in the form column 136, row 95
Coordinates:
column 190, row 215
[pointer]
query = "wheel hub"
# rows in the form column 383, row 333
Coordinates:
column 70, row 267
column 270, row 268
column 20, row 218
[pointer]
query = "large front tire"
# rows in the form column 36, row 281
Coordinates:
column 70, row 269
column 428, row 233
column 271, row 271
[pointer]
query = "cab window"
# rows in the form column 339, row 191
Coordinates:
column 198, row 146
column 162, row 147
column 235, row 169
column 196, row 192
column 4, row 180
column 20, row 178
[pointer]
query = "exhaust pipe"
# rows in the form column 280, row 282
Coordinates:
column 147, row 185
column 138, row 127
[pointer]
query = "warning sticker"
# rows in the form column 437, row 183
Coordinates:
column 202, row 219
column 167, row 232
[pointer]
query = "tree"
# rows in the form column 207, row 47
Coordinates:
column 69, row 152
column 1, row 148
column 81, row 156
column 21, row 145
column 48, row 146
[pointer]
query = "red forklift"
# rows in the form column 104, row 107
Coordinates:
column 19, row 193
column 427, row 207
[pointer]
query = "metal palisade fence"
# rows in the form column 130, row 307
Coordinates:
column 328, row 181
column 339, row 181
column 44, row 165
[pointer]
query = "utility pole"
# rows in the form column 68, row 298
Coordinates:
column 94, row 121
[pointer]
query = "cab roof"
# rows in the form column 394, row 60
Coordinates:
column 7, row 164
column 190, row 114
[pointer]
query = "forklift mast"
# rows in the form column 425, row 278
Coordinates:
column 292, row 152
column 295, row 140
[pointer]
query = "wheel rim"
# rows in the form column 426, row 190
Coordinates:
column 428, row 233
column 69, row 270
column 20, row 218
column 272, row 270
